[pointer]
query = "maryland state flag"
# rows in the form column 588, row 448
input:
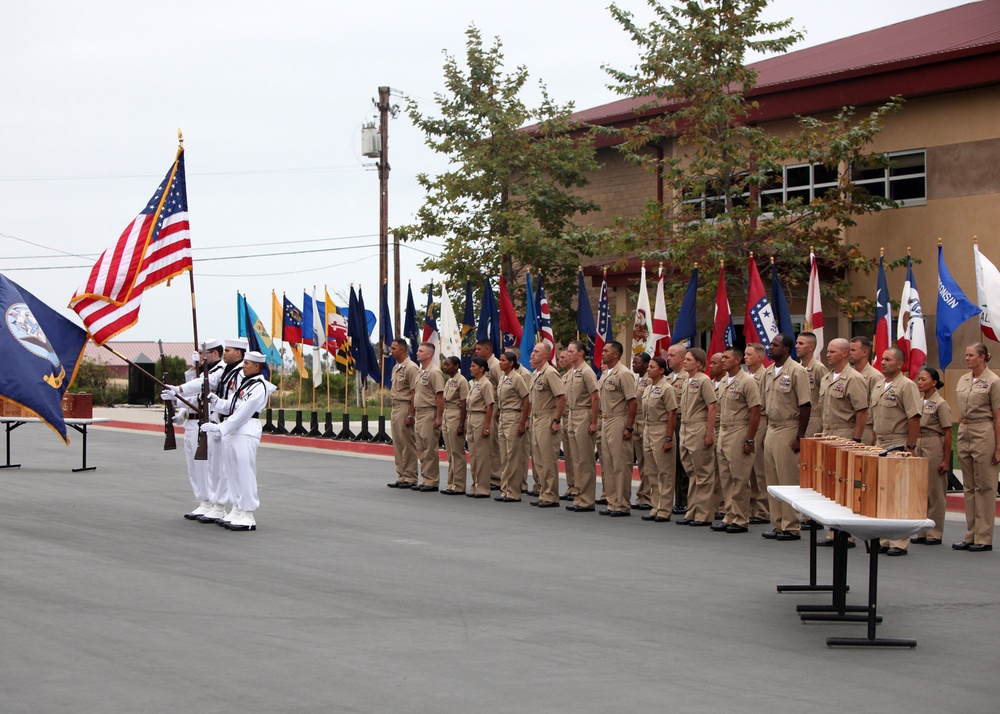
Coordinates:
column 41, row 351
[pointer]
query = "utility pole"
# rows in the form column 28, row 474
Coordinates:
column 383, row 201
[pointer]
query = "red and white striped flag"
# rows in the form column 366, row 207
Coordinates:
column 814, row 308
column 155, row 247
column 661, row 327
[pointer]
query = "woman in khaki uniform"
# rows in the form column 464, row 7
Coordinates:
column 479, row 408
column 456, row 392
column 935, row 446
column 698, row 407
column 658, row 406
column 512, row 401
column 978, row 394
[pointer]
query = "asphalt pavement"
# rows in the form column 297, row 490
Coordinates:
column 352, row 597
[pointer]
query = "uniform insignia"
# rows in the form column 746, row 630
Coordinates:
column 930, row 408
column 839, row 387
column 656, row 392
column 784, row 381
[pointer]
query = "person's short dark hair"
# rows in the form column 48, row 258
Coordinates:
column 935, row 375
column 644, row 356
column 457, row 361
column 863, row 341
column 486, row 343
column 430, row 346
column 897, row 353
column 580, row 346
column 216, row 350
column 785, row 340
column 661, row 363
column 737, row 352
column 512, row 358
column 401, row 341
column 481, row 363
column 811, row 336
column 699, row 356
column 617, row 347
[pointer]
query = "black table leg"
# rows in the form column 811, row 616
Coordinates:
column 871, row 618
column 82, row 428
column 11, row 425
column 812, row 586
column 838, row 610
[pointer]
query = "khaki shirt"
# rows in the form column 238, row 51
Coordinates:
column 456, row 391
column 511, row 390
column 546, row 388
column 816, row 372
column 617, row 386
column 737, row 398
column 976, row 402
column 758, row 377
column 640, row 386
column 495, row 372
column 873, row 378
column 580, row 384
column 894, row 406
column 842, row 398
column 430, row 383
column 678, row 380
column 935, row 417
column 785, row 392
column 698, row 393
column 480, row 395
column 657, row 401
column 404, row 380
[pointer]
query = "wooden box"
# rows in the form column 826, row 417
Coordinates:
column 866, row 484
column 11, row 409
column 78, row 406
column 902, row 487
column 807, row 462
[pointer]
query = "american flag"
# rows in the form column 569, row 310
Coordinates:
column 155, row 247
column 603, row 325
column 545, row 321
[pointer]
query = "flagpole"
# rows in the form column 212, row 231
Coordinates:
column 807, row 326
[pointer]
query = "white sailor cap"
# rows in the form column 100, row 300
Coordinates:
column 239, row 343
column 254, row 357
column 213, row 344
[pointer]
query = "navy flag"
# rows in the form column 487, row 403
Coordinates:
column 42, row 350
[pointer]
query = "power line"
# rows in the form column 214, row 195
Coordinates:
column 247, row 172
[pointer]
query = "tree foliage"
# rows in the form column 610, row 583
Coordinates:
column 511, row 192
column 717, row 163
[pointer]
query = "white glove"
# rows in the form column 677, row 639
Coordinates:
column 213, row 398
column 180, row 416
column 210, row 428
column 169, row 394
column 195, row 358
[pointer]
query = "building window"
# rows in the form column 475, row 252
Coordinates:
column 905, row 179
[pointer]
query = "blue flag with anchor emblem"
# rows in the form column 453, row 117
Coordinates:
column 41, row 351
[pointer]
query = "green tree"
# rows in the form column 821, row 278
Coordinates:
column 508, row 200
column 718, row 166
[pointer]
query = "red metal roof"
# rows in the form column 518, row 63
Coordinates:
column 964, row 39
column 133, row 350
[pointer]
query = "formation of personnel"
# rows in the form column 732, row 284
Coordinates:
column 706, row 445
column 225, row 485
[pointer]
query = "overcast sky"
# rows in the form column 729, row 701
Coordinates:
column 271, row 98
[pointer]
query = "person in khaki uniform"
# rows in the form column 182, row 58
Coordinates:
column 658, row 406
column 526, row 441
column 896, row 419
column 760, row 508
column 859, row 357
column 618, row 407
column 484, row 349
column 640, row 363
column 935, row 446
column 548, row 402
column 566, row 374
column 978, row 394
column 786, row 400
column 456, row 393
column 716, row 373
column 404, row 444
column 805, row 348
column 677, row 379
column 479, row 407
column 428, row 412
column 739, row 406
column 698, row 406
column 843, row 395
column 515, row 409
column 583, row 402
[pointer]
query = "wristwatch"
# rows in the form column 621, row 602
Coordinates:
column 911, row 447
column 668, row 439
column 750, row 441
column 557, row 421
column 630, row 429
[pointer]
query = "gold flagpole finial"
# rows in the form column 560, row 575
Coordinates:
column 579, row 268
column 881, row 252
column 180, row 138
column 661, row 265
column 772, row 260
column 696, row 266
column 644, row 263
column 722, row 264
column 939, row 241
column 604, row 272
column 812, row 249
column 751, row 255
column 908, row 252
column 975, row 240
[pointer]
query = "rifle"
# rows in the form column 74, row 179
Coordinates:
column 169, row 439
column 201, row 454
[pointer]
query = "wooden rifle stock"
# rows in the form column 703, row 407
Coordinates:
column 201, row 454
column 169, row 438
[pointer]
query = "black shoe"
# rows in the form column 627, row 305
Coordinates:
column 206, row 519
column 883, row 549
column 895, row 551
column 641, row 507
column 191, row 516
column 699, row 524
column 919, row 541
column 579, row 509
column 662, row 519
column 679, row 510
column 604, row 512
column 649, row 517
column 787, row 535
column 566, row 497
column 601, row 502
column 426, row 488
column 757, row 520
column 808, row 525
column 405, row 485
column 719, row 515
column 507, row 499
column 964, row 545
column 480, row 495
column 720, row 526
column 394, row 484
column 933, row 541
column 771, row 534
column 470, row 494
column 534, row 494
column 494, row 487
column 980, row 547
column 683, row 521
column 626, row 514
column 824, row 543
column 241, row 528
column 449, row 492
column 733, row 528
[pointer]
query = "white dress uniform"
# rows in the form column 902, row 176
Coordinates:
column 241, row 437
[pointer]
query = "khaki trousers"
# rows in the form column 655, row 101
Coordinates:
column 976, row 444
column 428, row 440
column 479, row 452
column 781, row 465
column 454, row 444
column 616, row 463
column 643, row 493
column 734, row 474
column 567, row 448
column 582, row 453
column 545, row 458
column 932, row 449
column 759, row 504
column 699, row 462
column 660, row 470
column 527, row 444
column 404, row 445
column 495, row 448
column 511, row 456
